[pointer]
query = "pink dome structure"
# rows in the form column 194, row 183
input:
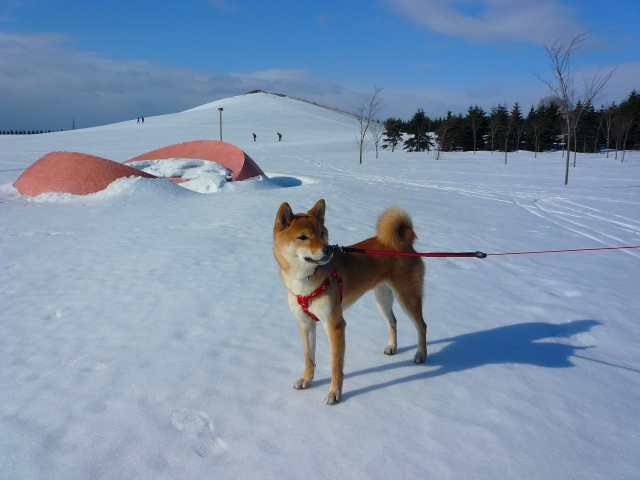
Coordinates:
column 72, row 172
column 223, row 153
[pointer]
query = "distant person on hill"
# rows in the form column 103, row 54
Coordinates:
column 254, row 137
column 279, row 137
column 142, row 119
column 138, row 119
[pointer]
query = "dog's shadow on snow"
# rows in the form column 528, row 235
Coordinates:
column 523, row 343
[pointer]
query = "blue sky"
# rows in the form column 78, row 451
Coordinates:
column 105, row 61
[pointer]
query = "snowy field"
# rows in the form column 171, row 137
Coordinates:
column 145, row 333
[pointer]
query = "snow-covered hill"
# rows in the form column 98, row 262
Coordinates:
column 144, row 331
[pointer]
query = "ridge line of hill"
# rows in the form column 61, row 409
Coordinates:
column 333, row 109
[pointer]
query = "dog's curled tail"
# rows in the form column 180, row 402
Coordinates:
column 395, row 230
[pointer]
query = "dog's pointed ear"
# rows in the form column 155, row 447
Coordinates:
column 318, row 210
column 284, row 216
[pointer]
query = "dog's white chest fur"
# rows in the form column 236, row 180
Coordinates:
column 320, row 306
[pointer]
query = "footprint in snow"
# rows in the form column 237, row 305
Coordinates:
column 83, row 363
column 565, row 293
column 197, row 427
column 462, row 264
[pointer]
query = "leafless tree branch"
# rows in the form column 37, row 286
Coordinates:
column 573, row 99
column 365, row 112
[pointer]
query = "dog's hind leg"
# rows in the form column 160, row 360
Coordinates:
column 308, row 333
column 384, row 302
column 410, row 299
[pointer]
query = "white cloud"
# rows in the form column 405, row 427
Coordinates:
column 45, row 85
column 437, row 101
column 492, row 21
column 274, row 75
column 625, row 78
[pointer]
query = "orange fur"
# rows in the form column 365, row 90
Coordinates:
column 395, row 230
column 301, row 249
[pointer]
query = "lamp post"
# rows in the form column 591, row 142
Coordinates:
column 220, row 110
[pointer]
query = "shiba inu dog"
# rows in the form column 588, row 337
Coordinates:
column 323, row 281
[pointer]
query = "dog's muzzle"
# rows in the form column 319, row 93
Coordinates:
column 327, row 254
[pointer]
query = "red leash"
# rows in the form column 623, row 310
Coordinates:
column 563, row 251
column 413, row 254
column 303, row 300
column 476, row 254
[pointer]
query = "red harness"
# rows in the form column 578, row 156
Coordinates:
column 303, row 300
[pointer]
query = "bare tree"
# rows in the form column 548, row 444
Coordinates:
column 623, row 124
column 365, row 111
column 376, row 129
column 572, row 97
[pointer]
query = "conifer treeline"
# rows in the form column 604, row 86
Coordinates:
column 26, row 132
column 611, row 127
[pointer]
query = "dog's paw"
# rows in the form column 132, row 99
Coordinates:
column 420, row 357
column 390, row 350
column 302, row 384
column 332, row 397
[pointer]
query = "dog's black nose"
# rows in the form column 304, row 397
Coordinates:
column 327, row 250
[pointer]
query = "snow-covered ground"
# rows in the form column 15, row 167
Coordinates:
column 145, row 333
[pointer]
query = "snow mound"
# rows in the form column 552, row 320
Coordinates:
column 201, row 179
column 202, row 176
column 205, row 176
column 187, row 168
column 130, row 187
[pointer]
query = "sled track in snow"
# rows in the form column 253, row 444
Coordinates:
column 567, row 211
column 602, row 227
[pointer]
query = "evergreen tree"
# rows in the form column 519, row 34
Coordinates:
column 631, row 106
column 517, row 125
column 495, row 122
column 443, row 137
column 392, row 133
column 500, row 116
column 459, row 134
column 532, row 129
column 476, row 123
column 549, row 111
column 626, row 123
column 633, row 103
column 418, row 130
column 450, row 134
column 507, row 122
column 587, row 130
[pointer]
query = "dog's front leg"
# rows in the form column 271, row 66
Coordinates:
column 308, row 333
column 335, row 328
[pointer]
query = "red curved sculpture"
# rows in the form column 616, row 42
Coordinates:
column 223, row 153
column 72, row 172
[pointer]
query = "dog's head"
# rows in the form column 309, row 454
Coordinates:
column 300, row 241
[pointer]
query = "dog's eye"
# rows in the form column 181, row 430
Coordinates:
column 302, row 237
column 321, row 234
